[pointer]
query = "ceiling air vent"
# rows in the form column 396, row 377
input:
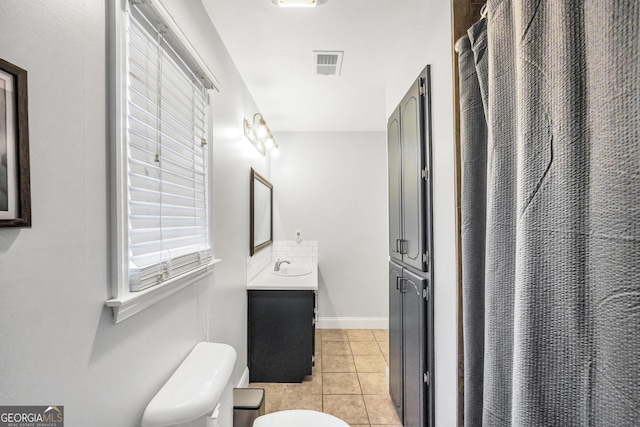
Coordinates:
column 327, row 63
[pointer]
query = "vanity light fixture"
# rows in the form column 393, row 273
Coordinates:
column 260, row 135
column 251, row 135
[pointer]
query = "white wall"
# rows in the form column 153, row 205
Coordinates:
column 333, row 187
column 58, row 344
column 431, row 44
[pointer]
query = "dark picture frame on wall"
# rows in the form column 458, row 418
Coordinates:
column 15, row 188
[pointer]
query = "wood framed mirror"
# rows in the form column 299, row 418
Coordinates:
column 261, row 213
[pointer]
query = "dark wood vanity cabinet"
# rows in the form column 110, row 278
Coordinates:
column 281, row 335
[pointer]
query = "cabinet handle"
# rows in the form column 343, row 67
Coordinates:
column 401, row 284
column 401, row 246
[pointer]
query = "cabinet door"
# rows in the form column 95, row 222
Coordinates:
column 395, row 185
column 413, row 139
column 395, row 338
column 280, row 335
column 415, row 334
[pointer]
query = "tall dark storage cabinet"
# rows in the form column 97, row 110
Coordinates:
column 410, row 250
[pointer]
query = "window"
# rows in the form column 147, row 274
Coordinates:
column 162, row 237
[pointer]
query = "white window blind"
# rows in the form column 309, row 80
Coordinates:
column 167, row 171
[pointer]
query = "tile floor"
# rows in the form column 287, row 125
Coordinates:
column 349, row 380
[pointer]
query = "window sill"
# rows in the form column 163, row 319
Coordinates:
column 133, row 303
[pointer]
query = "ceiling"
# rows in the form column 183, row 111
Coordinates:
column 273, row 50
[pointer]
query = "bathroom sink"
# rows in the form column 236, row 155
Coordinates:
column 297, row 277
column 293, row 270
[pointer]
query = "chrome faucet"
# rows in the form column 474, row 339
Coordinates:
column 278, row 263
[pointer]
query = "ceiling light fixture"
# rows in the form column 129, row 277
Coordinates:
column 260, row 135
column 298, row 3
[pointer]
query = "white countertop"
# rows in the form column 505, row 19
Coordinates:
column 266, row 281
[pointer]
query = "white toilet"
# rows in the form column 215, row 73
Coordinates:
column 299, row 418
column 193, row 396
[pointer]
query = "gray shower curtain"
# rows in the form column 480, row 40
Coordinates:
column 550, row 134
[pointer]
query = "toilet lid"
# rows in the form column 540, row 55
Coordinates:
column 297, row 418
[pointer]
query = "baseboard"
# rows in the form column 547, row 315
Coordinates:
column 353, row 323
column 244, row 381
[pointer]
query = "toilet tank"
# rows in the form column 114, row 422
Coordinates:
column 195, row 388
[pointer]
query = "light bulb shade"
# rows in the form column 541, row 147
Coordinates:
column 269, row 142
column 275, row 152
column 262, row 129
